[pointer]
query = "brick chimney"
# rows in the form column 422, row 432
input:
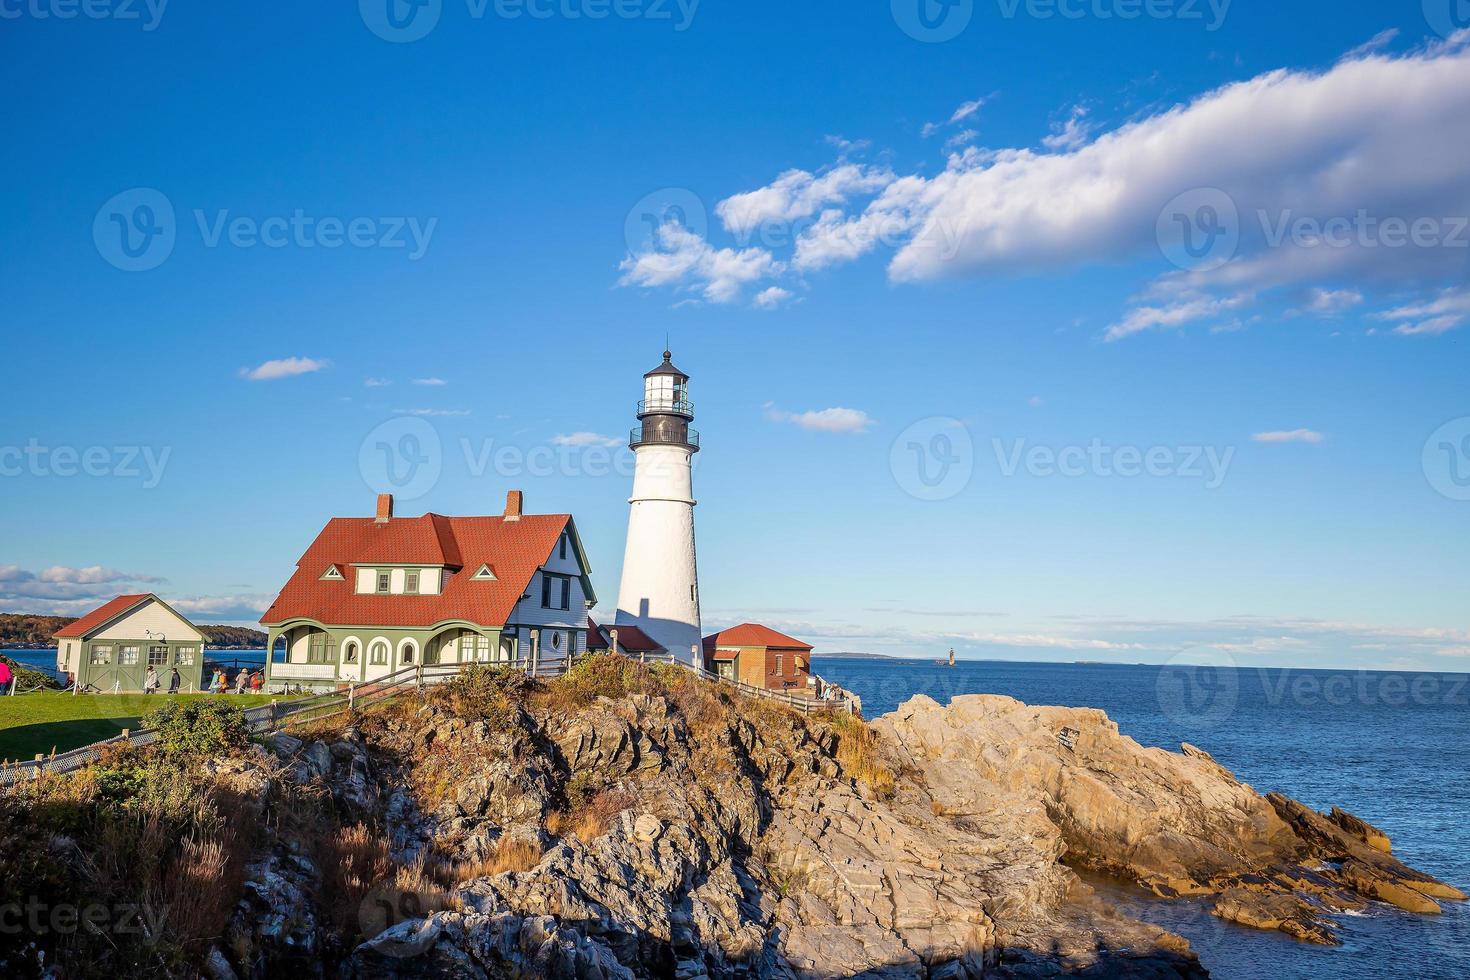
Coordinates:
column 385, row 507
column 513, row 502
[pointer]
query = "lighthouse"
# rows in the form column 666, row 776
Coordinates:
column 660, row 588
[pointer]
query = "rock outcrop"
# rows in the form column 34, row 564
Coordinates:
column 684, row 834
column 1179, row 824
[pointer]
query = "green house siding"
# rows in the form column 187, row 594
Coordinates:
column 104, row 665
column 323, row 650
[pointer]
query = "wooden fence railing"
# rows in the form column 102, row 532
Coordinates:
column 275, row 715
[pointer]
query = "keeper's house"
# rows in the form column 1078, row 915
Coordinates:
column 373, row 595
column 112, row 647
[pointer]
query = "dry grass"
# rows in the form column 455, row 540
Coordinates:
column 857, row 753
column 363, row 879
column 143, row 832
column 510, row 854
column 591, row 814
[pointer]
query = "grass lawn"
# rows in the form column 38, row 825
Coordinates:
column 39, row 722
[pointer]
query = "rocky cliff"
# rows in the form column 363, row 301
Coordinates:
column 670, row 831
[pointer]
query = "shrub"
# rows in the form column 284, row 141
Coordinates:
column 604, row 675
column 141, row 830
column 200, row 727
column 491, row 694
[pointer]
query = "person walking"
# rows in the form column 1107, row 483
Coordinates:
column 150, row 681
column 240, row 679
column 221, row 682
column 174, row 680
column 7, row 677
column 255, row 682
column 214, row 681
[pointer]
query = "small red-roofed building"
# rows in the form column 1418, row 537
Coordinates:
column 111, row 648
column 761, row 657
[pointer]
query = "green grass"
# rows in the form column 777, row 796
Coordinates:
column 46, row 720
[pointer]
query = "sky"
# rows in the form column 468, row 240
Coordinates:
column 1039, row 330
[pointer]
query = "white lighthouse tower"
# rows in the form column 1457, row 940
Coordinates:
column 660, row 590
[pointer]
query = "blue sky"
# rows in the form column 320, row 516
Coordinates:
column 927, row 291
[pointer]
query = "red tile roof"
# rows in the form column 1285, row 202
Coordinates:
column 102, row 614
column 752, row 635
column 634, row 640
column 515, row 549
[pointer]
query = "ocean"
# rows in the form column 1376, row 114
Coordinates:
column 1388, row 747
column 45, row 660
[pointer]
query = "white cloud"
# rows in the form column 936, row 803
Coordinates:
column 91, row 575
column 585, row 439
column 376, row 382
column 1177, row 314
column 42, row 591
column 1375, row 138
column 1069, row 134
column 1292, row 435
column 431, row 382
column 966, row 110
column 844, row 420
column 960, row 139
column 433, row 412
column 1443, row 313
column 684, row 259
column 1330, row 302
column 798, row 194
column 1378, row 41
column 246, row 608
column 1387, row 135
column 769, row 299
column 283, row 368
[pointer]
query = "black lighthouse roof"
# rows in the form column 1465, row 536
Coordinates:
column 667, row 367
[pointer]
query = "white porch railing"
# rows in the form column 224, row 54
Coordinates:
column 303, row 672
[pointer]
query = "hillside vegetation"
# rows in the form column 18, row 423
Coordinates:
column 19, row 631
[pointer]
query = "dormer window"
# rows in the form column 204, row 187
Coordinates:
column 385, row 579
column 485, row 574
column 411, row 583
column 332, row 574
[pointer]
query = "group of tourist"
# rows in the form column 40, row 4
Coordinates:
column 246, row 682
